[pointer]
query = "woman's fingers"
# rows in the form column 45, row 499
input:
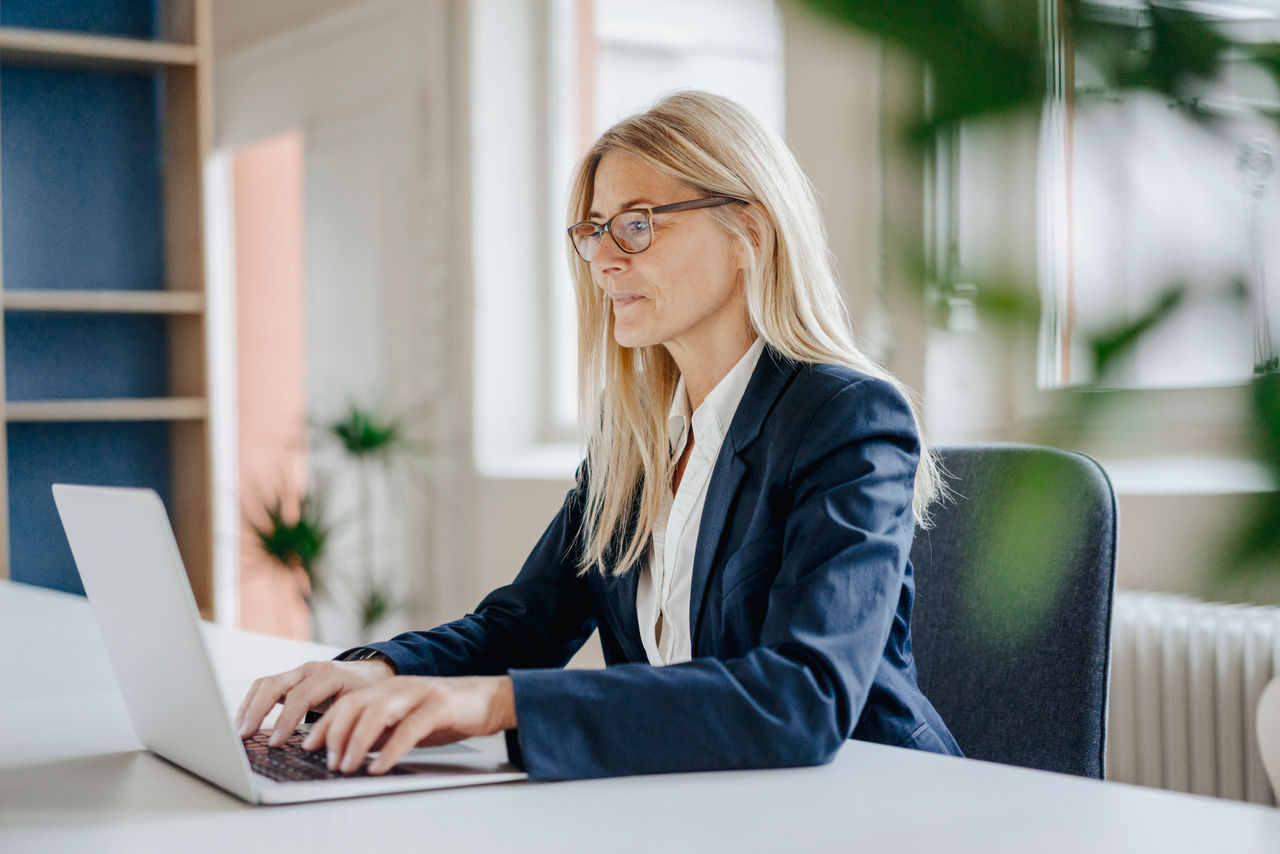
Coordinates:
column 334, row 728
column 262, row 696
column 306, row 687
column 416, row 726
column 316, row 738
column 356, row 723
column 303, row 696
column 374, row 719
column 408, row 710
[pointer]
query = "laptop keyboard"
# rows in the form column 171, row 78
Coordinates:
column 290, row 763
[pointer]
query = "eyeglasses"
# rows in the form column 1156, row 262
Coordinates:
column 632, row 230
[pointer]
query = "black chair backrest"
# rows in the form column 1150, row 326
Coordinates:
column 1012, row 622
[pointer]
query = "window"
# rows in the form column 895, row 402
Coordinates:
column 1161, row 198
column 614, row 58
column 546, row 78
column 1105, row 200
column 1133, row 196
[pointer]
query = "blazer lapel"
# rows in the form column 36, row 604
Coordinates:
column 622, row 599
column 771, row 376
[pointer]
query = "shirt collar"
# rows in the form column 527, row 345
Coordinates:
column 717, row 411
column 678, row 415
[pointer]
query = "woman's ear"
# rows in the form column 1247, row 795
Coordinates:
column 756, row 224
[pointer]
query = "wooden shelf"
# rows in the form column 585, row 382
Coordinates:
column 136, row 409
column 127, row 302
column 57, row 48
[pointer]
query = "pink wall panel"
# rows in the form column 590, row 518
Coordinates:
column 271, row 369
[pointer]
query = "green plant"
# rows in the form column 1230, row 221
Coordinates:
column 376, row 604
column 296, row 541
column 367, row 435
column 368, row 442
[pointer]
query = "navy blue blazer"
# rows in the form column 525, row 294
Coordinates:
column 800, row 608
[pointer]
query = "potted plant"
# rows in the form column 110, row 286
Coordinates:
column 302, row 540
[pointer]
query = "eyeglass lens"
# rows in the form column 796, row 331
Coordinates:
column 629, row 229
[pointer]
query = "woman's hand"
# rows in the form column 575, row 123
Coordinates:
column 409, row 711
column 312, row 685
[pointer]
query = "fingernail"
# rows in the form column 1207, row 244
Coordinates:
column 333, row 760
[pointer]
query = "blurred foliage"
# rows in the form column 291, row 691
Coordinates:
column 295, row 540
column 1178, row 51
column 366, row 438
column 1023, row 563
column 987, row 59
column 376, row 604
column 1110, row 345
column 366, row 434
column 1257, row 546
column 370, row 438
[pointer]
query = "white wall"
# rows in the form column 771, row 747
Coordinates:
column 833, row 126
column 237, row 24
column 373, row 88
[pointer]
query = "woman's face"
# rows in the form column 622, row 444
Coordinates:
column 684, row 291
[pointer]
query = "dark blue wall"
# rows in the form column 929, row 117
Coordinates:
column 107, row 454
column 80, row 180
column 129, row 18
column 75, row 356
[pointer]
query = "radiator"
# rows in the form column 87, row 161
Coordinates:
column 1185, row 682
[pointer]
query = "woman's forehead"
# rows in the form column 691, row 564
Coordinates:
column 623, row 181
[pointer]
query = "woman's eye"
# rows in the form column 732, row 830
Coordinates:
column 635, row 227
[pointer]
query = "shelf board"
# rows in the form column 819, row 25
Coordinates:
column 58, row 48
column 133, row 409
column 130, row 302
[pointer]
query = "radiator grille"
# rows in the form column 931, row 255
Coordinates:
column 1185, row 681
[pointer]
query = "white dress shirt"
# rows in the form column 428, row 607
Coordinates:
column 662, row 595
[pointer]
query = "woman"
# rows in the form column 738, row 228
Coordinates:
column 739, row 531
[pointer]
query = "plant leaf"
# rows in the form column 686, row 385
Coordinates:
column 294, row 541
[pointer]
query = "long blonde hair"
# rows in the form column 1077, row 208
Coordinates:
column 794, row 303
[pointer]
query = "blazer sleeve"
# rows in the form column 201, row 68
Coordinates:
column 539, row 620
column 794, row 699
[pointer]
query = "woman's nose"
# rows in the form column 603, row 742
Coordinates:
column 609, row 258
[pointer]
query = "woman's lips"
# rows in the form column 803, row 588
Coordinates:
column 622, row 300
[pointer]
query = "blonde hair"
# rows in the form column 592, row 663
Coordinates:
column 794, row 303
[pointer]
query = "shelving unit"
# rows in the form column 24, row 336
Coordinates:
column 124, row 302
column 105, row 120
column 108, row 409
column 66, row 50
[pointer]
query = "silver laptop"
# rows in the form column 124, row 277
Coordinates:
column 134, row 577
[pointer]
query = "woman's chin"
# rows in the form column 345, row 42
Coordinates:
column 631, row 337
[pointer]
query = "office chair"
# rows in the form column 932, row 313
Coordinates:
column 1012, row 623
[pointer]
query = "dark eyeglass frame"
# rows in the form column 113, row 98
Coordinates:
column 607, row 228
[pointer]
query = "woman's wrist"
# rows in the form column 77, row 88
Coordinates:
column 504, row 703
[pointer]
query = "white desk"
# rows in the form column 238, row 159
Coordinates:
column 73, row 777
